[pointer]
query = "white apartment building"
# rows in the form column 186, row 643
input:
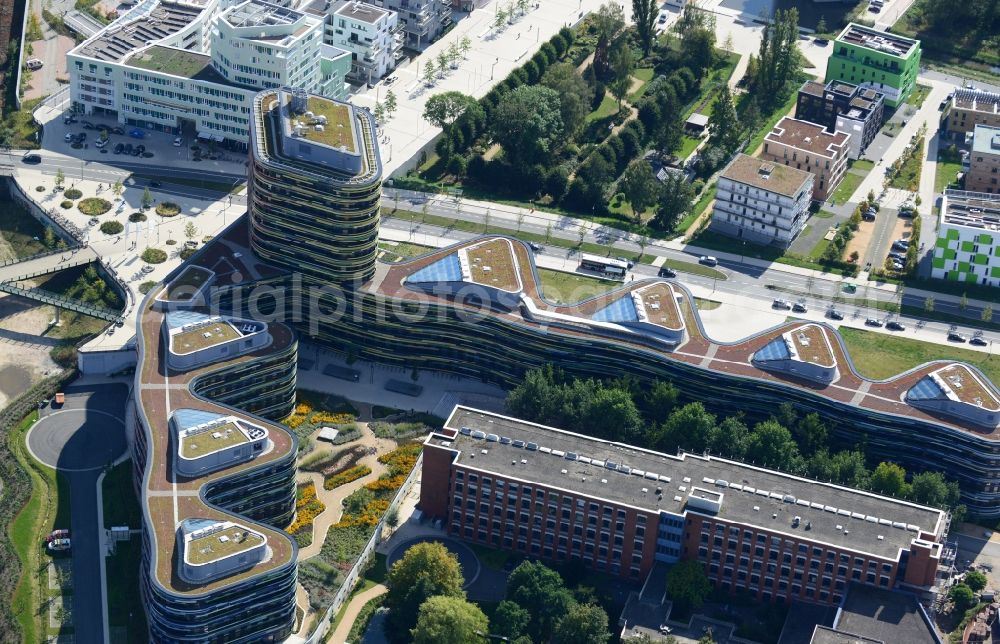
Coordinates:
column 371, row 34
column 193, row 66
column 968, row 244
column 422, row 20
column 761, row 201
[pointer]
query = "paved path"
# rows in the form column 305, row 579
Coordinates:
column 353, row 608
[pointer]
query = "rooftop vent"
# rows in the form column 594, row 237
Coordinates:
column 765, row 170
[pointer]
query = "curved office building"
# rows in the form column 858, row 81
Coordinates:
column 216, row 479
column 476, row 309
column 315, row 186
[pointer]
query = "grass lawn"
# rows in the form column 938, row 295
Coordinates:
column 823, row 214
column 23, row 125
column 47, row 508
column 19, row 230
column 909, row 173
column 918, row 95
column 645, row 75
column 706, row 305
column 847, row 187
column 607, row 107
column 863, row 164
column 819, row 248
column 880, row 355
column 688, row 145
column 945, row 175
column 401, row 250
column 707, row 195
column 218, row 186
column 779, row 113
column 568, row 288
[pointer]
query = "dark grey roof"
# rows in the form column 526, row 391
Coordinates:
column 884, row 615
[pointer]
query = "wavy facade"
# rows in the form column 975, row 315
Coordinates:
column 216, row 568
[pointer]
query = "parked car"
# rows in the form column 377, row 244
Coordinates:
column 897, row 255
column 834, row 314
column 31, row 159
column 906, row 211
column 666, row 271
column 33, row 64
column 59, row 545
column 955, row 336
column 147, row 269
column 663, row 18
column 978, row 341
column 127, row 149
column 81, row 137
column 178, row 142
column 87, row 125
column 118, row 148
column 68, row 138
column 57, row 534
column 708, row 260
column 100, row 144
column 869, row 214
column 893, row 325
column 875, row 322
column 535, row 247
column 799, row 307
column 781, row 304
column 69, row 119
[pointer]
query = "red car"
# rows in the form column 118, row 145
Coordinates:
column 57, row 534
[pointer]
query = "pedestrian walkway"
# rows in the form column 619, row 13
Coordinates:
column 353, row 608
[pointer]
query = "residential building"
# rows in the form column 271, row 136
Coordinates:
column 762, row 202
column 193, row 66
column 315, row 186
column 422, row 20
column 543, row 492
column 877, row 616
column 843, row 107
column 808, row 146
column 968, row 244
column 372, row 36
column 984, row 160
column 880, row 60
column 214, row 472
column 968, row 108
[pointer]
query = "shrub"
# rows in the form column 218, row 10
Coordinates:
column 112, row 227
column 171, row 242
column 146, row 286
column 72, row 193
column 94, row 206
column 167, row 209
column 188, row 252
column 154, row 256
column 67, row 204
column 40, row 189
column 345, row 477
column 136, row 217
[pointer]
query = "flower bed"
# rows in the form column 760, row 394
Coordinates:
column 331, row 463
column 167, row 209
column 307, row 508
column 112, row 227
column 313, row 413
column 72, row 193
column 346, row 476
column 154, row 256
column 136, row 217
column 94, row 206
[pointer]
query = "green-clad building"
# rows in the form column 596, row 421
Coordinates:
column 883, row 61
column 968, row 245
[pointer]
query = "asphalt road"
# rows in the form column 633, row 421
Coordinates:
column 79, row 439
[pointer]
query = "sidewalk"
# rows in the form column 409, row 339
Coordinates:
column 352, row 610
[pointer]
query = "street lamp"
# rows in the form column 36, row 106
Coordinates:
column 493, row 67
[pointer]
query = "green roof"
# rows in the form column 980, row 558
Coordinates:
column 177, row 62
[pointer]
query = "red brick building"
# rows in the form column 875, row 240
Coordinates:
column 556, row 495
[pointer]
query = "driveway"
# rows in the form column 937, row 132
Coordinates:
column 79, row 439
column 467, row 559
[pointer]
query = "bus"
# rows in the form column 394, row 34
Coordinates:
column 607, row 266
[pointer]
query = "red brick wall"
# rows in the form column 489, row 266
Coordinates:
column 922, row 566
column 434, row 480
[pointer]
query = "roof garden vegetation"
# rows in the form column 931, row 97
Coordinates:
column 211, row 440
column 185, row 285
column 811, row 345
column 177, row 62
column 661, row 307
column 222, row 544
column 203, row 336
column 337, row 132
column 493, row 264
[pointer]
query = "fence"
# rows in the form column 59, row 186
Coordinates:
column 355, row 574
column 20, row 56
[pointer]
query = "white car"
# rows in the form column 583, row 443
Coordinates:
column 178, row 142
column 708, row 260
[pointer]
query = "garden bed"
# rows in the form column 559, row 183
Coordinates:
column 94, row 206
column 307, row 508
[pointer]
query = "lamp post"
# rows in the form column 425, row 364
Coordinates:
column 493, row 67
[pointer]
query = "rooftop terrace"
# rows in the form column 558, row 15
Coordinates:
column 971, row 209
column 261, row 14
column 881, row 41
column 652, row 481
column 361, row 12
column 337, row 130
column 219, row 542
column 177, row 62
column 185, row 286
column 766, row 175
column 804, row 135
column 492, row 263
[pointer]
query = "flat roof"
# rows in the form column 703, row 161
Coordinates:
column 202, row 336
column 186, row 285
column 881, row 41
column 804, row 135
column 492, row 263
column 977, row 100
column 361, row 11
column 971, row 209
column 766, row 175
column 115, row 42
column 767, row 499
column 810, row 344
column 884, row 615
column 198, row 443
column 177, row 62
column 255, row 13
column 659, row 303
column 827, row 635
column 814, row 88
column 219, row 542
column 338, row 131
column 966, row 386
column 986, row 139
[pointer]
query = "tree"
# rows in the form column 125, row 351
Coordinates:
column 778, row 59
column 190, row 230
column 772, row 444
column 696, row 28
column 449, row 619
column 147, row 198
column 723, row 124
column 963, row 303
column 60, row 178
column 730, row 438
column 379, row 112
column 845, row 467
column 575, row 95
column 962, row 596
column 686, row 428
column 6, row 136
column 583, row 624
column 464, row 46
column 640, row 187
column 821, row 25
column 442, row 63
column 889, row 478
column 975, row 580
column 117, row 189
column 430, row 71
column 528, row 124
column 676, row 197
column 510, row 620
column 929, row 304
column 810, row 433
column 931, row 488
column 540, row 591
column 49, row 237
column 608, row 22
column 441, row 110
column 687, row 584
column 426, row 570
column 644, row 13
column 612, row 414
column 390, row 103
column 987, row 314
column 622, row 65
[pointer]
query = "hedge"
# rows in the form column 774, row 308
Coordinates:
column 345, row 477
